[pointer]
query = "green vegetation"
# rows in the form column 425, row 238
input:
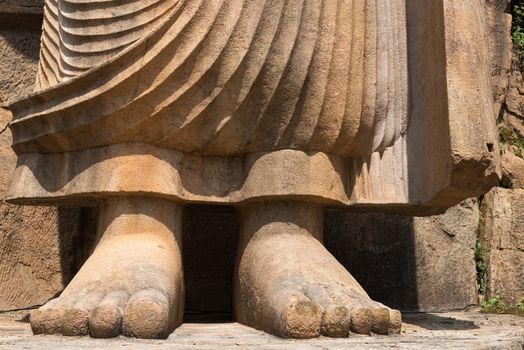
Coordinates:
column 517, row 30
column 481, row 268
column 509, row 139
column 495, row 305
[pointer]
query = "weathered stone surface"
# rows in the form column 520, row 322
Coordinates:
column 500, row 48
column 365, row 137
column 515, row 122
column 8, row 157
column 445, row 258
column 19, row 48
column 37, row 246
column 21, row 7
column 515, row 95
column 512, row 170
column 31, row 267
column 502, row 237
column 513, row 112
column 443, row 331
column 40, row 247
column 413, row 263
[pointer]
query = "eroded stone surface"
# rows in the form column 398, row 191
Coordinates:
column 468, row 331
column 500, row 48
column 502, row 237
column 512, row 170
column 369, row 133
column 132, row 284
column 400, row 259
column 40, row 247
column 19, row 45
column 288, row 284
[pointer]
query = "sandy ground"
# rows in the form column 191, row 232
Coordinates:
column 458, row 330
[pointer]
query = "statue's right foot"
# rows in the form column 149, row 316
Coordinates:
column 289, row 285
column 132, row 284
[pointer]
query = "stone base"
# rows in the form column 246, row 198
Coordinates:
column 420, row 331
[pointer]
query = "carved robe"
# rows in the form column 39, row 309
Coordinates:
column 347, row 101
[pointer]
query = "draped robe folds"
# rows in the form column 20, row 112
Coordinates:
column 224, row 101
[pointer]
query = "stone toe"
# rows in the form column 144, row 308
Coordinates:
column 47, row 319
column 147, row 315
column 380, row 319
column 50, row 318
column 300, row 317
column 105, row 320
column 336, row 321
column 395, row 322
column 75, row 320
column 361, row 320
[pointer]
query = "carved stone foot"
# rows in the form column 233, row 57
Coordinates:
column 289, row 285
column 132, row 284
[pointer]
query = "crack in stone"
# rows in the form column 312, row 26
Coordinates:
column 22, row 308
column 4, row 128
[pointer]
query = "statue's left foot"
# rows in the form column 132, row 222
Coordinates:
column 132, row 284
column 289, row 285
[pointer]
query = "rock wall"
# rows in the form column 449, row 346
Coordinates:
column 40, row 247
column 502, row 209
column 411, row 263
column 502, row 237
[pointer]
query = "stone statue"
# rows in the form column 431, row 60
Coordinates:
column 280, row 107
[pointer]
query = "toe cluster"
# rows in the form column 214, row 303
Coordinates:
column 304, row 318
column 144, row 314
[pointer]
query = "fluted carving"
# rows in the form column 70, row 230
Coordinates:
column 221, row 77
column 79, row 35
column 392, row 92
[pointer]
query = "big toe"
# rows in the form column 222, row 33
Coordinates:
column 147, row 315
column 300, row 317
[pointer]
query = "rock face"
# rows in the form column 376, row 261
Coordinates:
column 512, row 170
column 40, row 247
column 500, row 48
column 502, row 236
column 515, row 95
column 445, row 255
column 413, row 263
column 19, row 44
column 502, row 222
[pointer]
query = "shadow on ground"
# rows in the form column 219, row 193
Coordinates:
column 435, row 322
